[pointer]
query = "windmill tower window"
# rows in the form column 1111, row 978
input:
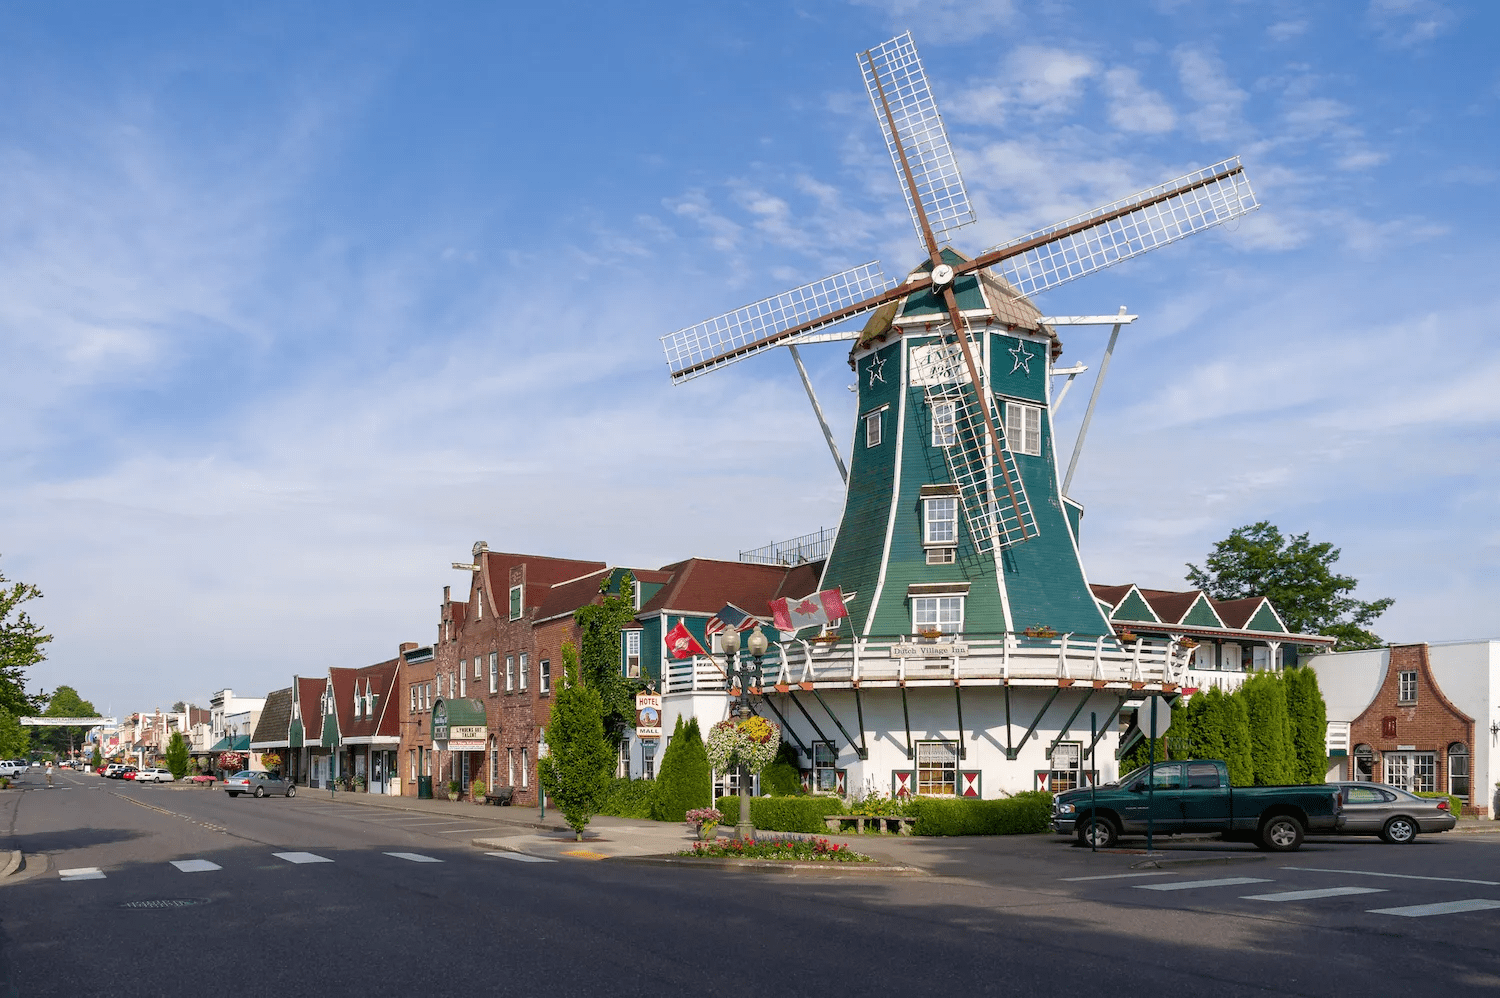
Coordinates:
column 944, row 424
column 937, row 613
column 873, row 426
column 940, row 521
column 1023, row 428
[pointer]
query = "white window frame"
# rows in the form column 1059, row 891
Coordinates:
column 825, row 776
column 413, row 691
column 478, row 665
column 524, row 661
column 632, row 654
column 942, row 759
column 1414, row 772
column 1066, row 764
column 510, row 673
column 544, row 676
column 516, row 603
column 494, row 672
column 648, row 759
column 932, row 535
column 510, row 767
column 1406, row 686
column 937, row 613
column 525, row 781
column 463, row 681
column 944, row 424
column 478, row 603
column 874, row 427
column 1023, row 427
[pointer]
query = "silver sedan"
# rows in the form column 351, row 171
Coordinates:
column 260, row 784
column 1393, row 814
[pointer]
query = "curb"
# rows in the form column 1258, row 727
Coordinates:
column 771, row 866
column 422, row 810
column 12, row 864
column 1165, row 864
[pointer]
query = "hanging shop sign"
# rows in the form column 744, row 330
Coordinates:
column 459, row 725
column 648, row 715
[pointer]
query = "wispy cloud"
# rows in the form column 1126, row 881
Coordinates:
column 1409, row 23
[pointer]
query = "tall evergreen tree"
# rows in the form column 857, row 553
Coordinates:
column 664, row 801
column 1309, row 720
column 1240, row 754
column 575, row 773
column 687, row 782
column 1274, row 756
column 177, row 755
column 1210, row 725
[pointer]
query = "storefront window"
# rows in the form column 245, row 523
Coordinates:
column 937, row 768
column 1458, row 770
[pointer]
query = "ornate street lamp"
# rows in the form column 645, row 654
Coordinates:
column 744, row 676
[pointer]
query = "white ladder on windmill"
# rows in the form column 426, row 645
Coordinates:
column 988, row 510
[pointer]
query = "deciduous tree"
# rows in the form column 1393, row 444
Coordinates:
column 15, row 740
column 599, row 626
column 1298, row 578
column 21, row 645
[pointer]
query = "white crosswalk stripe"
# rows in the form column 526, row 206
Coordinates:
column 1440, row 908
column 82, row 873
column 195, row 865
column 301, row 857
column 414, row 857
column 1117, row 876
column 1313, row 895
column 1184, row 885
column 521, row 857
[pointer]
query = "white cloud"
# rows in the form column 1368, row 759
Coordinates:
column 1207, row 82
column 1283, row 31
column 1409, row 23
column 1133, row 107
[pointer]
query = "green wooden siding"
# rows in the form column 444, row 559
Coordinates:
column 1265, row 620
column 1202, row 614
column 1133, row 607
column 295, row 735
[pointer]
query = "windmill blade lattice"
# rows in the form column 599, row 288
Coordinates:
column 1129, row 227
column 746, row 331
column 895, row 79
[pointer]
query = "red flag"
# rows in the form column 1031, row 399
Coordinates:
column 682, row 644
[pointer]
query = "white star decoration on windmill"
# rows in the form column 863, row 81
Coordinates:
column 877, row 366
column 939, row 204
column 1023, row 359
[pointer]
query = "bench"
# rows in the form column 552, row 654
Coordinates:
column 501, row 796
column 882, row 823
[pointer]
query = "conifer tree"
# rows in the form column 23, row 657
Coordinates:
column 1210, row 725
column 668, row 774
column 1239, row 753
column 575, row 772
column 697, row 775
column 1309, row 721
column 177, row 755
column 1270, row 729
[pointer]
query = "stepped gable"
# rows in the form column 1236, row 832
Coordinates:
column 310, row 697
column 703, row 585
column 275, row 724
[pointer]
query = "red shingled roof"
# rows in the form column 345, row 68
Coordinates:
column 1171, row 606
column 542, row 573
column 702, row 585
column 1237, row 612
column 565, row 597
column 380, row 679
column 310, row 701
column 1110, row 594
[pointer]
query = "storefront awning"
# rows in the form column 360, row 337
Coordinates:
column 240, row 743
column 459, row 725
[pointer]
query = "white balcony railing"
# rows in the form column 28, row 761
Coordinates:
column 1337, row 739
column 989, row 659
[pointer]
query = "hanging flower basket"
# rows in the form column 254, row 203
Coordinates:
column 1041, row 631
column 271, row 762
column 231, row 762
column 931, row 634
column 1187, row 643
column 1129, row 637
column 751, row 743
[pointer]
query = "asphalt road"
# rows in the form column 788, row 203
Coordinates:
column 177, row 891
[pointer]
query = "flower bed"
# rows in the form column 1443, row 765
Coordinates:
column 788, row 850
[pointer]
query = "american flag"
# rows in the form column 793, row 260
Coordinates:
column 730, row 617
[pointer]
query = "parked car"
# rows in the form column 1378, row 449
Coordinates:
column 260, row 784
column 128, row 773
column 119, row 771
column 154, row 775
column 1394, row 814
column 9, row 768
column 21, row 766
column 110, row 769
column 1195, row 796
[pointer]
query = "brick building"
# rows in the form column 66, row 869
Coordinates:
column 1394, row 717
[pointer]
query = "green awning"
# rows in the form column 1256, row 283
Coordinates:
column 238, row 744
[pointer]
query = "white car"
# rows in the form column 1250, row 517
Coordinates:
column 154, row 776
column 20, row 764
column 9, row 768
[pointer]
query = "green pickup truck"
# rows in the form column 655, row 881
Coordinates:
column 1195, row 796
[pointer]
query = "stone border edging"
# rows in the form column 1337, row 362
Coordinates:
column 11, row 865
column 771, row 865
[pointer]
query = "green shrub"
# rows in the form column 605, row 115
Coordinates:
column 1023, row 814
column 685, row 780
column 629, row 798
column 1456, row 804
column 784, row 814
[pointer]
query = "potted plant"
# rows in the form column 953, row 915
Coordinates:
column 1129, row 637
column 1041, row 631
column 931, row 634
column 1187, row 643
column 453, row 790
column 704, row 820
column 476, row 791
column 359, row 783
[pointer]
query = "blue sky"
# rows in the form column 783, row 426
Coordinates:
column 297, row 302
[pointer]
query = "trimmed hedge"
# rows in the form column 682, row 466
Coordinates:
column 1455, row 803
column 784, row 814
column 629, row 798
column 1023, row 814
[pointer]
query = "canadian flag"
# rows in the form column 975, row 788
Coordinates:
column 809, row 611
column 681, row 643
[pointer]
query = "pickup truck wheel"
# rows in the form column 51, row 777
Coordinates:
column 1103, row 831
column 1282, row 833
column 1399, row 831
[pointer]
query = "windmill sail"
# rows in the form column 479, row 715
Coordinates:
column 772, row 321
column 896, row 83
column 1129, row 227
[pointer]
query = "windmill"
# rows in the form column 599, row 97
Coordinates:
column 960, row 304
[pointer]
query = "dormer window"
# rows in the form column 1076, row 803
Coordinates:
column 1023, row 429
